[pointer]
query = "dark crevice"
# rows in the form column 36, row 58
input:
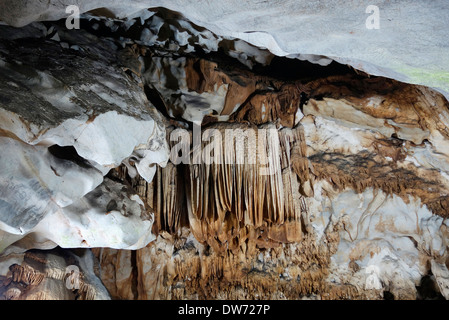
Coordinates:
column 68, row 153
column 388, row 295
column 134, row 274
column 304, row 99
column 154, row 97
column 293, row 69
column 428, row 289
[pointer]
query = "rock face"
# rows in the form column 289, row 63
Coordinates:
column 68, row 117
column 350, row 210
column 151, row 158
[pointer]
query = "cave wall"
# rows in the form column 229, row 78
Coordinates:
column 116, row 159
column 409, row 45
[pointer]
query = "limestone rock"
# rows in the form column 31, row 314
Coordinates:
column 67, row 117
column 165, row 160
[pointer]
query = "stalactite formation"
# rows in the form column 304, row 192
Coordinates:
column 229, row 202
column 39, row 274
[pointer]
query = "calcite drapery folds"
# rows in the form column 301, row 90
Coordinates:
column 66, row 121
column 192, row 168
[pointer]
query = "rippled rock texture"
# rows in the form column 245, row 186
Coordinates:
column 151, row 158
column 68, row 117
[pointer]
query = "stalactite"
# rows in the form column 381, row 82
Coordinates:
column 240, row 196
